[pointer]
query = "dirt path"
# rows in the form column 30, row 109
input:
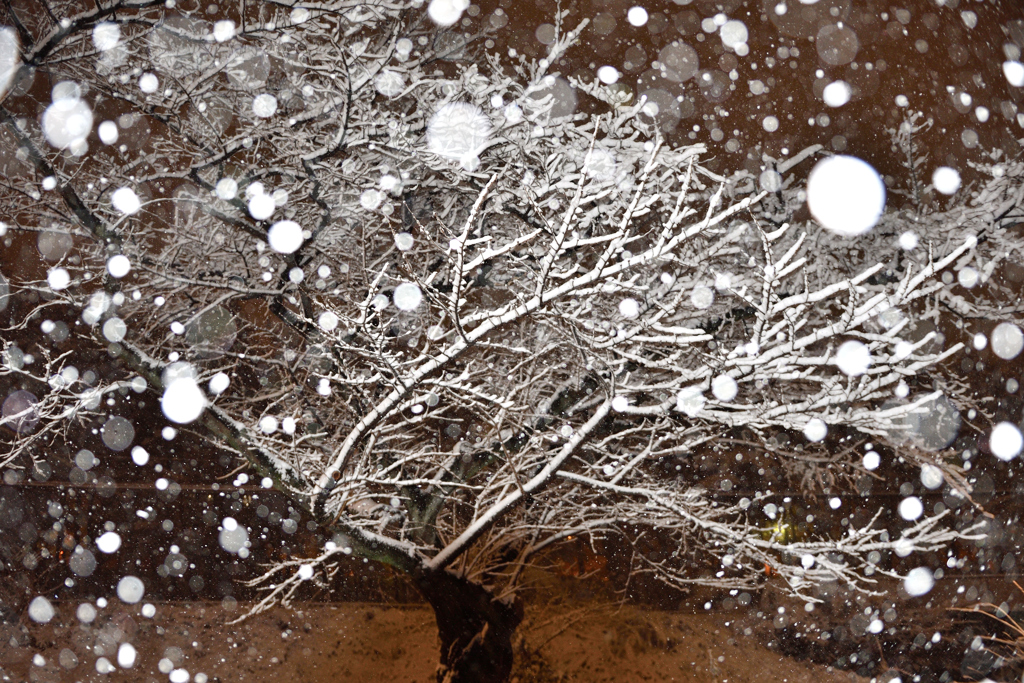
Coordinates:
column 355, row 642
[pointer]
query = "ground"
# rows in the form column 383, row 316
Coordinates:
column 354, row 642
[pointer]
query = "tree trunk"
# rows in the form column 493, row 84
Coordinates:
column 475, row 629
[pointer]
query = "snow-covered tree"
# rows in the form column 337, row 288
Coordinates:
column 455, row 327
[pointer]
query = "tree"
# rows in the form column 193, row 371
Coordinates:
column 453, row 326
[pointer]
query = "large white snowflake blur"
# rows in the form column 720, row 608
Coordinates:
column 846, row 195
column 459, row 131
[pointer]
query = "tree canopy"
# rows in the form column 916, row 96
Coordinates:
column 458, row 326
